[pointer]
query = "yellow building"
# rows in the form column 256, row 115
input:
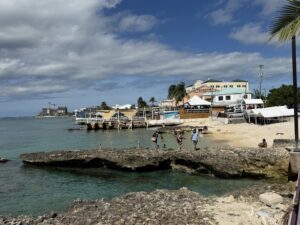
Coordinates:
column 220, row 85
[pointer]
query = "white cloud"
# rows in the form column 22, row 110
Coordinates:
column 137, row 23
column 253, row 34
column 225, row 14
column 250, row 34
column 56, row 46
column 269, row 6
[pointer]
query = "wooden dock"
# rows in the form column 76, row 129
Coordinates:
column 115, row 124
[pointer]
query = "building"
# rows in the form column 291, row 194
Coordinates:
column 194, row 86
column 220, row 85
column 52, row 111
column 217, row 85
column 62, row 110
column 228, row 96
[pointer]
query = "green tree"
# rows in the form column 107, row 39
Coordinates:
column 180, row 92
column 152, row 100
column 141, row 103
column 171, row 91
column 281, row 96
column 286, row 26
column 104, row 106
column 177, row 92
column 132, row 106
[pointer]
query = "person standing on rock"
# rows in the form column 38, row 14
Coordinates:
column 155, row 139
column 179, row 139
column 195, row 138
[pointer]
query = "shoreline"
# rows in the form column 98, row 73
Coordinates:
column 245, row 134
column 180, row 206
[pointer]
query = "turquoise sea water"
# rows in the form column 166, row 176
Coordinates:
column 34, row 191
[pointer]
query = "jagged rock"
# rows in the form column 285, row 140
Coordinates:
column 159, row 207
column 227, row 199
column 270, row 198
column 3, row 160
column 220, row 162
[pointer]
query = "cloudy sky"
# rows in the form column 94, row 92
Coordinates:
column 79, row 53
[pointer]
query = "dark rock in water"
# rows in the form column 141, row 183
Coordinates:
column 3, row 160
column 159, row 207
column 221, row 162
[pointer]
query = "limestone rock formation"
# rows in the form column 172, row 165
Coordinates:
column 220, row 162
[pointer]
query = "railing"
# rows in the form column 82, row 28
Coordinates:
column 197, row 110
column 294, row 218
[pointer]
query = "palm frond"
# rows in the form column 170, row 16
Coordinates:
column 287, row 24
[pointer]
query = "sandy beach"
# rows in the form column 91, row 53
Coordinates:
column 245, row 134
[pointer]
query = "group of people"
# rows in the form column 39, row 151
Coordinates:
column 196, row 134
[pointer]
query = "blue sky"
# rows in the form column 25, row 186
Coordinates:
column 80, row 53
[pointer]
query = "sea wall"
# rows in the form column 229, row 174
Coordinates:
column 220, row 162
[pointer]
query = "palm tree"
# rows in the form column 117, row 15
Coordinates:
column 180, row 92
column 285, row 27
column 152, row 101
column 171, row 91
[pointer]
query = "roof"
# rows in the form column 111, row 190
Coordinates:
column 211, row 80
column 227, row 91
column 126, row 106
column 196, row 100
column 253, row 101
column 239, row 80
column 277, row 111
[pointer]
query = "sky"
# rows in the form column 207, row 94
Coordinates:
column 78, row 53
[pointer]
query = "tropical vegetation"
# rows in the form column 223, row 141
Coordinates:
column 282, row 96
column 141, row 103
column 177, row 92
column 286, row 27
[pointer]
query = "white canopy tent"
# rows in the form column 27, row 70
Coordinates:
column 270, row 113
column 196, row 100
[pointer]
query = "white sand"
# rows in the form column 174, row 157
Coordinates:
column 245, row 134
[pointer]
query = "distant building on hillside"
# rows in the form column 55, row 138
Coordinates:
column 218, row 85
column 52, row 111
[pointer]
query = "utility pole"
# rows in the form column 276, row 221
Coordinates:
column 261, row 74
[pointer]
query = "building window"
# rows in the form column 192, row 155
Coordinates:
column 220, row 98
column 238, row 86
column 217, row 86
column 245, row 96
column 212, row 86
column 231, row 86
column 244, row 85
column 225, row 86
column 228, row 97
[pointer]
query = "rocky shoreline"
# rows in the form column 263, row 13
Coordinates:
column 172, row 207
column 224, row 162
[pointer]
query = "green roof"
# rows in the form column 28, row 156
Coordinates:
column 212, row 80
column 239, row 80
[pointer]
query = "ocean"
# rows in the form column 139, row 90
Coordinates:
column 35, row 191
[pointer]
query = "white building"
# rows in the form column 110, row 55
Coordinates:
column 225, row 97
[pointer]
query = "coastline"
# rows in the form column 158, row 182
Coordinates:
column 245, row 134
column 243, row 208
column 180, row 206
